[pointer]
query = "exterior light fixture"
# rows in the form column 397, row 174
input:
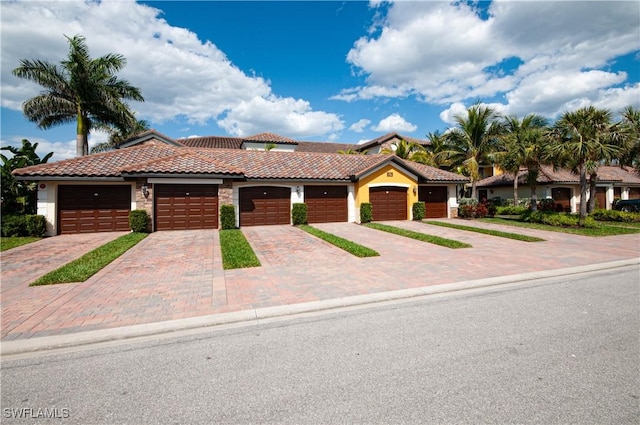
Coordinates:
column 145, row 191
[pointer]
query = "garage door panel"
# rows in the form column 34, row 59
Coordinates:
column 435, row 199
column 326, row 204
column 185, row 207
column 388, row 203
column 97, row 208
column 265, row 205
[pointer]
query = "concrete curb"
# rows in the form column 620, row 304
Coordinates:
column 255, row 316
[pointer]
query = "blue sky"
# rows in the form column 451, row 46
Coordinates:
column 330, row 71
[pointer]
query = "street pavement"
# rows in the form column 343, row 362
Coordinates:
column 175, row 276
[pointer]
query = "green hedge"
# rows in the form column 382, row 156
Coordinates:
column 614, row 215
column 24, row 225
column 556, row 219
column 299, row 213
column 139, row 221
column 419, row 210
column 510, row 210
column 227, row 217
column 366, row 214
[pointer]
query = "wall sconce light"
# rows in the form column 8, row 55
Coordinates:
column 298, row 190
column 415, row 190
column 145, row 191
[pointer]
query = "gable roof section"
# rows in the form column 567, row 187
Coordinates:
column 147, row 136
column 385, row 138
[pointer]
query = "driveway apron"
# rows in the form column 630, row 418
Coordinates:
column 178, row 274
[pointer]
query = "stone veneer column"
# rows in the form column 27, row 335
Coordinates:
column 143, row 203
column 225, row 196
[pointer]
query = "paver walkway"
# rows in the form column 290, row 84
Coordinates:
column 172, row 275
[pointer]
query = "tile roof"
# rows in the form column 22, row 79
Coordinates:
column 324, row 147
column 158, row 159
column 106, row 164
column 548, row 175
column 185, row 163
column 270, row 138
column 213, row 142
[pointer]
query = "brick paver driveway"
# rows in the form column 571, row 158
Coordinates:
column 178, row 274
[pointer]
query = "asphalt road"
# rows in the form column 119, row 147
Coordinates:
column 556, row 351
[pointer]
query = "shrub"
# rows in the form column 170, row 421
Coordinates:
column 299, row 213
column 556, row 219
column 227, row 217
column 614, row 215
column 481, row 211
column 24, row 225
column 510, row 210
column 366, row 214
column 36, row 225
column 13, row 225
column 139, row 221
column 468, row 201
column 419, row 210
column 465, row 211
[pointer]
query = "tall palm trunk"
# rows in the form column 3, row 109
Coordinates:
column 591, row 206
column 515, row 190
column 583, row 194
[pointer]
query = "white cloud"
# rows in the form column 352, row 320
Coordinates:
column 278, row 115
column 536, row 56
column 393, row 123
column 179, row 75
column 359, row 126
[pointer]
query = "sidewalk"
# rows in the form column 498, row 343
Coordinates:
column 176, row 278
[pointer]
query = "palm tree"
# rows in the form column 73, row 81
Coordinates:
column 411, row 151
column 470, row 143
column 119, row 135
column 523, row 145
column 630, row 130
column 585, row 137
column 437, row 148
column 81, row 89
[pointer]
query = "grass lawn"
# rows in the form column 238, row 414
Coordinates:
column 8, row 243
column 605, row 228
column 89, row 264
column 347, row 245
column 236, row 251
column 449, row 243
column 498, row 233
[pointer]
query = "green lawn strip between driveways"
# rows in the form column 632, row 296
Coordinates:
column 236, row 251
column 8, row 243
column 498, row 233
column 449, row 243
column 602, row 230
column 92, row 262
column 347, row 245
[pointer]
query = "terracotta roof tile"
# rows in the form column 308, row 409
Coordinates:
column 213, row 142
column 188, row 162
column 549, row 175
column 107, row 164
column 435, row 174
column 324, row 147
column 270, row 138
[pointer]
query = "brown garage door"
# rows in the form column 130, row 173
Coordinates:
column 185, row 207
column 265, row 205
column 388, row 203
column 326, row 204
column 88, row 209
column 634, row 193
column 435, row 200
